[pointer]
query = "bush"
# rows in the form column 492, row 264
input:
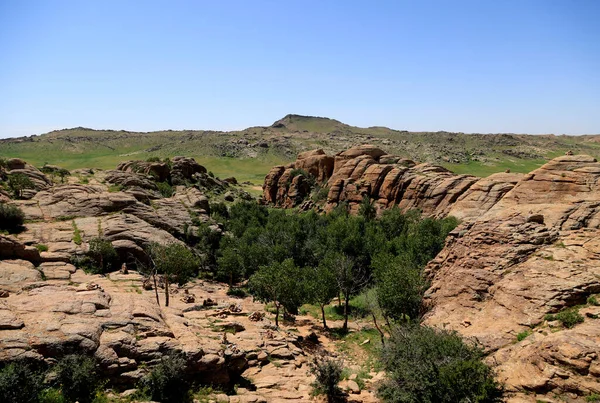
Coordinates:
column 219, row 210
column 167, row 382
column 153, row 159
column 523, row 335
column 592, row 300
column 320, row 194
column 42, row 247
column 426, row 365
column 103, row 254
column 568, row 317
column 52, row 395
column 237, row 292
column 328, row 373
column 165, row 189
column 19, row 383
column 11, row 218
column 77, row 377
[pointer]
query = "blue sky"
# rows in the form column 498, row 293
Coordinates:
column 484, row 66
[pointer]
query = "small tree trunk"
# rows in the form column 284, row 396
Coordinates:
column 346, row 306
column 156, row 288
column 277, row 316
column 323, row 314
column 340, row 299
column 230, row 280
column 166, row 290
column 378, row 329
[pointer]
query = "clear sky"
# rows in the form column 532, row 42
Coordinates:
column 484, row 66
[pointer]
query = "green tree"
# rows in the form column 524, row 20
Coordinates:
column 175, row 262
column 230, row 264
column 367, row 209
column 280, row 283
column 78, row 378
column 19, row 383
column 18, row 182
column 426, row 365
column 321, row 287
column 400, row 288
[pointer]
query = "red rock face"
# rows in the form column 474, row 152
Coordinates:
column 367, row 171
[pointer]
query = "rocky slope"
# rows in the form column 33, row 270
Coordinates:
column 49, row 307
column 528, row 246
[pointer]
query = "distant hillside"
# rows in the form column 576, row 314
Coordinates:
column 248, row 154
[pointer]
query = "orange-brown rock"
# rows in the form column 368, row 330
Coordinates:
column 316, row 163
column 368, row 172
column 535, row 252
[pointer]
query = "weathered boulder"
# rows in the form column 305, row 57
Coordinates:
column 12, row 248
column 185, row 168
column 158, row 170
column 316, row 163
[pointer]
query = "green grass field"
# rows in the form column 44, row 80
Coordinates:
column 249, row 154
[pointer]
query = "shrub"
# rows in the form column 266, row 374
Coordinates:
column 568, row 317
column 328, row 373
column 76, row 234
column 165, row 189
column 167, row 382
column 592, row 300
column 219, row 210
column 52, row 395
column 42, row 247
column 153, row 159
column 237, row 292
column 320, row 194
column 11, row 218
column 103, row 254
column 78, row 378
column 19, row 383
column 523, row 335
column 426, row 365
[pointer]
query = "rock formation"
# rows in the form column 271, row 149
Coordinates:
column 528, row 247
column 368, row 172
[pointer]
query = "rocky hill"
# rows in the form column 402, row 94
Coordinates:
column 519, row 275
column 249, row 153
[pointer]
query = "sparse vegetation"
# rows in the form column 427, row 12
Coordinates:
column 76, row 234
column 567, row 317
column 523, row 335
column 41, row 247
column 165, row 189
column 328, row 374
